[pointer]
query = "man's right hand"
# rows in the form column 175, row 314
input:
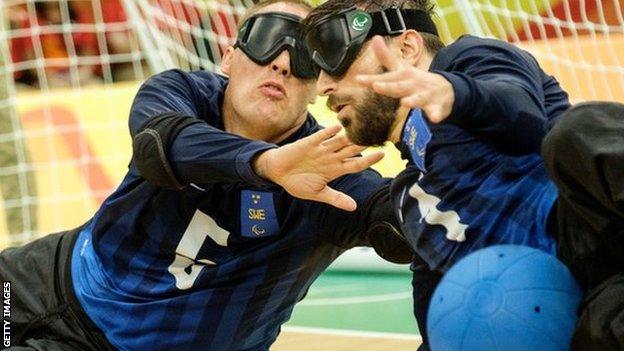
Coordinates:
column 304, row 168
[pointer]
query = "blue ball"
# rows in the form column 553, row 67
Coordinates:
column 507, row 298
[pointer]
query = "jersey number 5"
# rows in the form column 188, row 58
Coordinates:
column 186, row 267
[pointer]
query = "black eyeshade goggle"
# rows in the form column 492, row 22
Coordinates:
column 335, row 40
column 264, row 36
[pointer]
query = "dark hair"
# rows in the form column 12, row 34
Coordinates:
column 432, row 42
column 252, row 10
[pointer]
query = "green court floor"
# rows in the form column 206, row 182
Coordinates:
column 379, row 302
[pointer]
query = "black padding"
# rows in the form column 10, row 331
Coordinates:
column 601, row 322
column 411, row 19
column 150, row 148
column 384, row 233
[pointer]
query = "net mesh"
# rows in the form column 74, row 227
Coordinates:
column 69, row 69
column 579, row 42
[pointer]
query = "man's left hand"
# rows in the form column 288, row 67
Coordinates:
column 415, row 87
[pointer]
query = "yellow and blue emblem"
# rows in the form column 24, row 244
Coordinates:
column 258, row 217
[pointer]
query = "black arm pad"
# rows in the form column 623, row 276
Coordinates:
column 383, row 232
column 150, row 147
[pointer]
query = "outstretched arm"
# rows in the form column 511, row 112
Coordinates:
column 178, row 136
column 305, row 168
column 495, row 92
column 175, row 144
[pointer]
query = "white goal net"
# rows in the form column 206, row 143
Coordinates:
column 69, row 69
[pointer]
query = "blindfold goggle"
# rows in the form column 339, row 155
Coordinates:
column 264, row 36
column 335, row 40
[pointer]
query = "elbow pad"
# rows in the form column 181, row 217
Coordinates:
column 389, row 243
column 383, row 232
column 150, row 147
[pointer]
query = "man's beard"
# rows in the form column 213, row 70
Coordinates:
column 374, row 119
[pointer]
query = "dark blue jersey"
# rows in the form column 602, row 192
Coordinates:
column 478, row 179
column 220, row 264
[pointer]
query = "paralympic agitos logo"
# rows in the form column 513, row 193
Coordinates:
column 359, row 22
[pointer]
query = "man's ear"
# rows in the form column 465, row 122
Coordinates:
column 226, row 60
column 412, row 46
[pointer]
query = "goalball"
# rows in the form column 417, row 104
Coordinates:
column 506, row 298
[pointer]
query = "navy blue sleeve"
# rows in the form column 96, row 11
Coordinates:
column 201, row 152
column 499, row 96
column 342, row 228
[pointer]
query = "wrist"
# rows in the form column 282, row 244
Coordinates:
column 447, row 96
column 260, row 164
column 459, row 101
column 441, row 102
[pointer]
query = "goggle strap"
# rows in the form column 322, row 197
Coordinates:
column 393, row 20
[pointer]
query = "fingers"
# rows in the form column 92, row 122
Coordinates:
column 336, row 199
column 337, row 142
column 394, row 89
column 392, row 76
column 323, row 134
column 357, row 164
column 412, row 101
column 349, row 151
column 381, row 50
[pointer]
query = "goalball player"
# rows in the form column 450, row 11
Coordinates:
column 206, row 244
column 474, row 121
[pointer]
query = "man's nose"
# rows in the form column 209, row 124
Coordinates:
column 281, row 64
column 325, row 84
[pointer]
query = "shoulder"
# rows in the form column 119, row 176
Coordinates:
column 470, row 49
column 193, row 78
column 202, row 89
column 209, row 79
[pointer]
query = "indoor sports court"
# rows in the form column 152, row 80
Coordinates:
column 345, row 310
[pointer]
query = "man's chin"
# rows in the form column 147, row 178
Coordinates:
column 359, row 139
column 267, row 110
column 352, row 136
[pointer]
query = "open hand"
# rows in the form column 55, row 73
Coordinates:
column 415, row 87
column 305, row 167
